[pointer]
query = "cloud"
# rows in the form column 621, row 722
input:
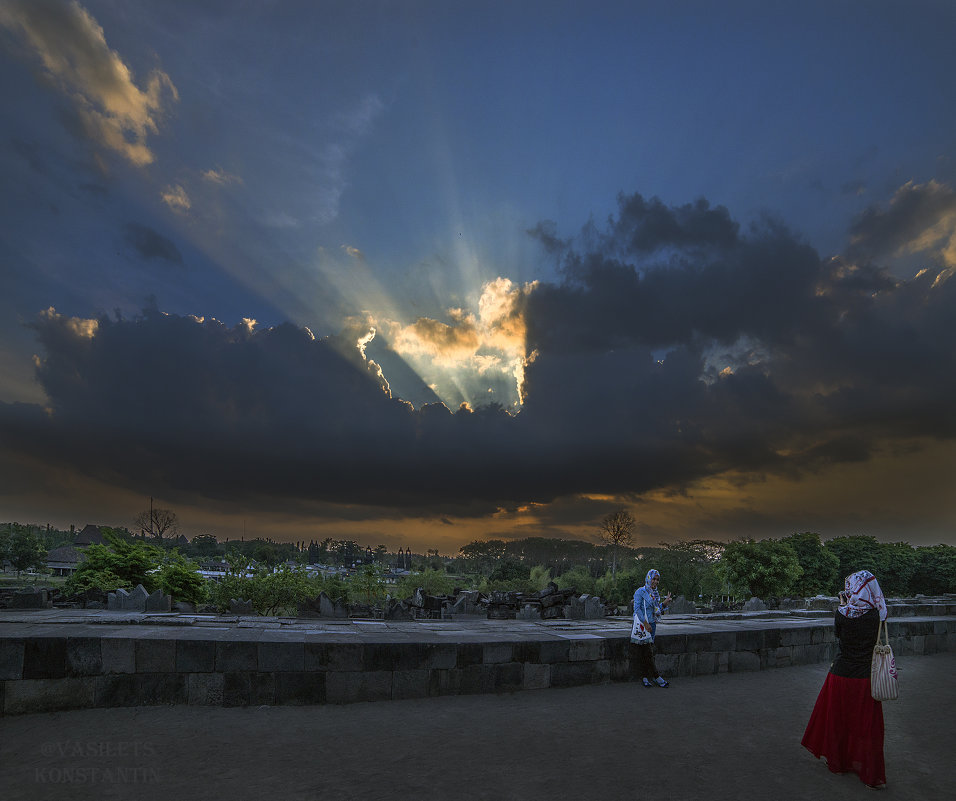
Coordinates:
column 715, row 353
column 921, row 218
column 176, row 198
column 220, row 177
column 75, row 57
column 151, row 244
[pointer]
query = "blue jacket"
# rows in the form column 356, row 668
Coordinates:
column 647, row 609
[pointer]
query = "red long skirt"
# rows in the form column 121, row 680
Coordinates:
column 846, row 727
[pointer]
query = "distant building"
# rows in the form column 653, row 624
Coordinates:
column 64, row 561
column 90, row 535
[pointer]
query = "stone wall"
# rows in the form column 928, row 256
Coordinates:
column 47, row 673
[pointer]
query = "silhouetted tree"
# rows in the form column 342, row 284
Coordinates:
column 617, row 530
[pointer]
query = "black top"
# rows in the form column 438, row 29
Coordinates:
column 856, row 637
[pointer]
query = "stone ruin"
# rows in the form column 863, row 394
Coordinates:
column 138, row 601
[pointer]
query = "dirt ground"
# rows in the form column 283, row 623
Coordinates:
column 733, row 736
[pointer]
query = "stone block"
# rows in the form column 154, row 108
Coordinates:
column 158, row 602
column 445, row 682
column 336, row 656
column 196, row 656
column 670, row 644
column 585, row 650
column 44, row 658
column 754, row 605
column 33, row 598
column 155, row 656
column 116, row 601
column 749, row 640
column 497, row 652
column 706, row 663
column 11, row 659
column 554, row 651
column 140, row 689
column 236, row 656
column 529, row 612
column 616, row 648
column 723, row 661
column 699, row 643
column 436, row 655
column 204, row 689
column 573, row 674
column 686, row 664
column 535, row 677
column 47, row 695
column 300, row 688
column 248, row 688
column 681, row 606
column 84, row 656
column 783, row 656
column 667, row 664
column 282, row 656
column 118, row 655
column 477, row 679
column 723, row 641
column 241, row 606
column 410, row 684
column 469, row 653
column 346, row 687
column 508, row 677
column 796, row 636
column 743, row 660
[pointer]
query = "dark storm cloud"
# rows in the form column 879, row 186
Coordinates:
column 150, row 244
column 678, row 347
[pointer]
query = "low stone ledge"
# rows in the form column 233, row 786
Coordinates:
column 44, row 673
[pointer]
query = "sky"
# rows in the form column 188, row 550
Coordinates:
column 418, row 273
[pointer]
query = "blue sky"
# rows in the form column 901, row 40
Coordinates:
column 530, row 204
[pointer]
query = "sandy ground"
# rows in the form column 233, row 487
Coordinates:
column 733, row 736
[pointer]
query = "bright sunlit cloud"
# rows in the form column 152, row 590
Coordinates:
column 112, row 109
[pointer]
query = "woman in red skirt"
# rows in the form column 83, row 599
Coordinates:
column 846, row 726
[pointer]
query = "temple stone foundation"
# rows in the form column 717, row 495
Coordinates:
column 75, row 659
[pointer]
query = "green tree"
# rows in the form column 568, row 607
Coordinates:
column 688, row 567
column 432, row 582
column 617, row 531
column 117, row 564
column 901, row 561
column 821, row 567
column 579, row 578
column 510, row 570
column 204, row 546
column 5, row 552
column 482, row 555
column 619, row 589
column 369, row 583
column 178, row 578
column 935, row 571
column 26, row 550
column 858, row 553
column 765, row 569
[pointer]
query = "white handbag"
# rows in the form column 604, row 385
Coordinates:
column 884, row 683
column 640, row 632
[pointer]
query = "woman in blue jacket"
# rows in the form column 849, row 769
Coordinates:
column 648, row 607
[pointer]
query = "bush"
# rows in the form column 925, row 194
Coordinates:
column 579, row 578
column 119, row 564
column 432, row 582
column 177, row 577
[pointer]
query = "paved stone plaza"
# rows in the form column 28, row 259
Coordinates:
column 719, row 738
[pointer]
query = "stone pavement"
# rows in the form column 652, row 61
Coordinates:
column 723, row 737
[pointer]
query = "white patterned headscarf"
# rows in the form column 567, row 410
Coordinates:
column 863, row 593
